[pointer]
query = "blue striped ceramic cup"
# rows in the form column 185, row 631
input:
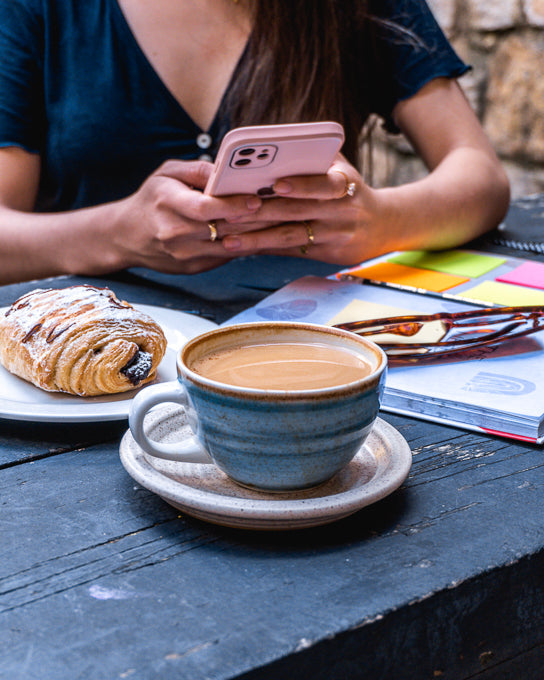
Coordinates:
column 266, row 434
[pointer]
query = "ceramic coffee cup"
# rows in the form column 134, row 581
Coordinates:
column 276, row 406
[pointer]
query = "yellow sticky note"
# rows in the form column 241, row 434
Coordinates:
column 360, row 310
column 399, row 274
column 503, row 294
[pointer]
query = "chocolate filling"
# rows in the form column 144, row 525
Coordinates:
column 54, row 333
column 138, row 367
column 31, row 332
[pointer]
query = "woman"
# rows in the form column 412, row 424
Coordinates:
column 110, row 111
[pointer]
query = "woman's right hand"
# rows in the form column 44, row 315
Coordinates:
column 165, row 224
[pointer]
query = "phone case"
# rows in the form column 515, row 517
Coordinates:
column 251, row 159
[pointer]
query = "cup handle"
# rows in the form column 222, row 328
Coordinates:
column 189, row 451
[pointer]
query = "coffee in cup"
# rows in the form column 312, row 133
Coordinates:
column 277, row 406
column 284, row 366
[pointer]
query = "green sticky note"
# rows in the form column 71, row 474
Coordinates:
column 458, row 262
column 503, row 294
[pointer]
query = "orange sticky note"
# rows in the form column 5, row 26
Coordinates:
column 389, row 272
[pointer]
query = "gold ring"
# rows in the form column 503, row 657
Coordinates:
column 349, row 189
column 213, row 231
column 310, row 233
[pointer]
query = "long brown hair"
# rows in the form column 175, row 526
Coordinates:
column 300, row 65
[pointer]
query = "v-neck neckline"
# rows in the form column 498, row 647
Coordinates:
column 215, row 122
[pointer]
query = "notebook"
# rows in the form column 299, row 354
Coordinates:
column 522, row 228
column 498, row 390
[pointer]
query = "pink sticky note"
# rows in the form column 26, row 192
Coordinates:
column 529, row 274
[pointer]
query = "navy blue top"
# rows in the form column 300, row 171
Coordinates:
column 76, row 88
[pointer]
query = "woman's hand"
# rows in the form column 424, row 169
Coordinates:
column 325, row 217
column 169, row 224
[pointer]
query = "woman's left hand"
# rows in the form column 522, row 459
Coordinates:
column 465, row 193
column 322, row 217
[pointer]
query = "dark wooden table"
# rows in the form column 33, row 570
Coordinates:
column 102, row 580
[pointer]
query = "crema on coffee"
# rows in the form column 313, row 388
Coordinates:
column 283, row 366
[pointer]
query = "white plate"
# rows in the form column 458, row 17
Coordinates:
column 20, row 400
column 204, row 492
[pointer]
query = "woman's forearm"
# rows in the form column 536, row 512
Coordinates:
column 36, row 245
column 465, row 196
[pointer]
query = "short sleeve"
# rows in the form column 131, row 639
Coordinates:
column 21, row 79
column 412, row 50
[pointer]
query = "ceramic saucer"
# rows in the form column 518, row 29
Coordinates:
column 204, row 492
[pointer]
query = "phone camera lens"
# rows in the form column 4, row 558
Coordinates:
column 242, row 161
column 248, row 151
column 263, row 156
column 265, row 191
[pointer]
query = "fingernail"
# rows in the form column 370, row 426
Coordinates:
column 282, row 186
column 253, row 203
column 231, row 243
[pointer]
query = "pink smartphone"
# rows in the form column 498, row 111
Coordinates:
column 251, row 159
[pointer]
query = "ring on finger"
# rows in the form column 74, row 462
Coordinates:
column 311, row 239
column 212, row 226
column 349, row 188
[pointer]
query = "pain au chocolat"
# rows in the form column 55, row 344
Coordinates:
column 81, row 340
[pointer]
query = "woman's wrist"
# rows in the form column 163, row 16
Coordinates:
column 377, row 223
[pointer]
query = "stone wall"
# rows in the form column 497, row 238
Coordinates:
column 503, row 40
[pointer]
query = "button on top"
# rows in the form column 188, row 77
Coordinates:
column 205, row 157
column 204, row 140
